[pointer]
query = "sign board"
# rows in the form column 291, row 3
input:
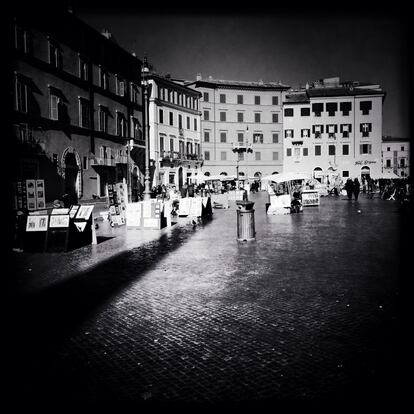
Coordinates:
column 60, row 211
column 84, row 212
column 40, row 194
column 196, row 207
column 37, row 223
column 310, row 198
column 31, row 194
column 133, row 214
column 20, row 199
column 147, row 214
column 60, row 221
column 184, row 206
column 74, row 209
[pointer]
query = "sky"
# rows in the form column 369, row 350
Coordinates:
column 291, row 46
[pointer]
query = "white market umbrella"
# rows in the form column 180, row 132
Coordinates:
column 286, row 177
column 388, row 175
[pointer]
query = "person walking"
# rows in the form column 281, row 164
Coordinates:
column 349, row 188
column 356, row 188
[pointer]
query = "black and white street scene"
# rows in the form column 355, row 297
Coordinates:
column 208, row 206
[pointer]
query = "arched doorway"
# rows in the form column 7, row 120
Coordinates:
column 365, row 172
column 71, row 177
column 223, row 173
column 180, row 178
column 318, row 174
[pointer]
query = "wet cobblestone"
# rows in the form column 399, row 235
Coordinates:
column 307, row 311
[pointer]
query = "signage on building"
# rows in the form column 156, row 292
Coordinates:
column 365, row 162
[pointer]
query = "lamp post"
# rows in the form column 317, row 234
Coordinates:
column 144, row 83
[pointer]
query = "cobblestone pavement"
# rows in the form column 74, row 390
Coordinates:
column 310, row 311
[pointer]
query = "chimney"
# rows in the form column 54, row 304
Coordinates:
column 198, row 77
column 210, row 78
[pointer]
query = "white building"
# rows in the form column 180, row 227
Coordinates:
column 396, row 155
column 175, row 131
column 241, row 114
column 333, row 127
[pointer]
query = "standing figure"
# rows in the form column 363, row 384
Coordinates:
column 349, row 187
column 356, row 188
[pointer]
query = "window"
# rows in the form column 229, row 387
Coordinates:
column 136, row 130
column 223, row 156
column 365, row 148
column 345, row 174
column 171, row 119
column 55, row 55
column 195, row 124
column 296, row 152
column 223, row 137
column 206, row 115
column 188, row 122
column 365, row 129
column 305, row 133
column 121, row 125
column 331, row 149
column 83, row 69
column 84, row 113
column 240, row 117
column 275, row 156
column 258, row 138
column 275, row 118
column 103, row 119
column 257, row 117
column 288, row 133
column 180, row 121
column 257, row 156
column 240, row 99
column 275, row 100
column 402, row 163
column 331, row 108
column 388, row 148
column 240, row 156
column 365, row 107
column 275, row 138
column 162, row 148
column 345, row 149
column 21, row 95
column 304, row 111
column 388, row 163
column 288, row 112
column 206, row 97
column 172, row 144
column 257, row 100
column 318, row 150
column 317, row 130
column 305, row 152
column 222, row 117
column 331, row 130
column 402, row 148
column 345, row 130
column 222, row 98
column 120, row 86
column 288, row 152
column 85, row 163
column 23, row 40
column 317, row 109
column 206, row 136
column 103, row 79
column 160, row 116
column 240, row 137
column 345, row 107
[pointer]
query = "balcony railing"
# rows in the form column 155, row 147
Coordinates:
column 110, row 162
column 178, row 156
column 121, row 159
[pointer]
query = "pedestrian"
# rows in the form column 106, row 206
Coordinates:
column 356, row 188
column 349, row 188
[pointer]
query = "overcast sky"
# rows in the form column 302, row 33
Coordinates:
column 293, row 47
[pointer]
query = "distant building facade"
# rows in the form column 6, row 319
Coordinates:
column 77, row 107
column 175, row 132
column 241, row 114
column 396, row 155
column 332, row 127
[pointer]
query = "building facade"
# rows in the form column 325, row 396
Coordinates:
column 175, row 132
column 396, row 155
column 77, row 107
column 332, row 128
column 241, row 114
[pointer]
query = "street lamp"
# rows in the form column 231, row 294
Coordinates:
column 145, row 84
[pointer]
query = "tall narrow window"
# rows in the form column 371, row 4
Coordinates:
column 180, row 121
column 365, row 128
column 222, row 98
column 275, row 138
column 331, row 149
column 206, row 136
column 206, row 115
column 136, row 128
column 222, row 117
column 23, row 40
column 84, row 113
column 223, row 155
column 240, row 137
column 121, row 125
column 257, row 100
column 120, row 86
column 188, row 122
column 345, row 149
column 223, row 137
column 54, row 107
column 207, row 155
column 275, row 118
column 239, row 99
column 257, row 117
column 258, row 138
column 160, row 116
column 171, row 119
column 55, row 55
column 275, row 100
column 240, row 117
column 21, row 95
column 134, row 93
column 103, row 79
column 103, row 119
column 83, row 69
column 195, row 124
column 205, row 97
column 257, row 156
column 318, row 150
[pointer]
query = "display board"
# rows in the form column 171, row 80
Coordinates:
column 117, row 194
column 310, row 198
column 80, row 229
column 36, row 234
column 58, row 233
column 149, row 214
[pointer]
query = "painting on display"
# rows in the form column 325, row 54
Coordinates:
column 84, row 212
column 37, row 223
column 59, row 221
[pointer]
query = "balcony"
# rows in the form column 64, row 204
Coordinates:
column 242, row 147
column 121, row 159
column 108, row 162
column 175, row 158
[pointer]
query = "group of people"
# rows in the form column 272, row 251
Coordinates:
column 352, row 188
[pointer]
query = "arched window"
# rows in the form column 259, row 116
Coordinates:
column 207, row 173
column 223, row 173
